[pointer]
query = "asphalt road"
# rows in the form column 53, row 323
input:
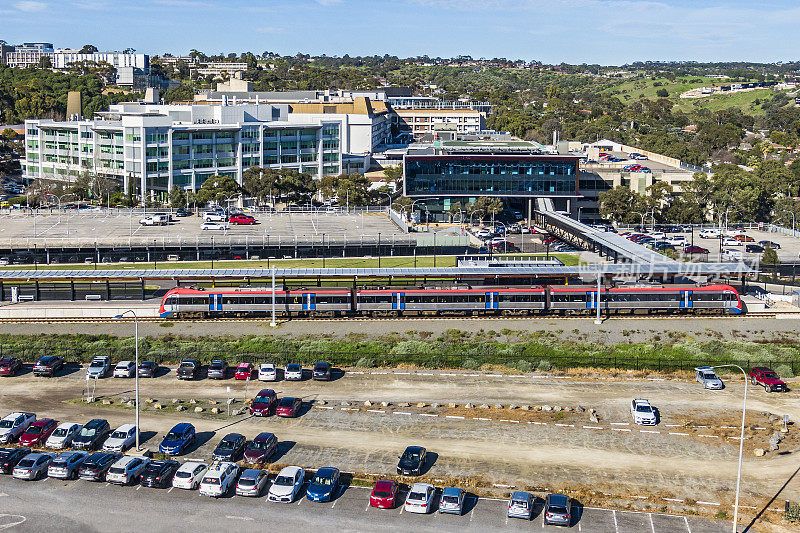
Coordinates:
column 55, row 506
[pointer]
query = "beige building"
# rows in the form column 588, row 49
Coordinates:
column 420, row 122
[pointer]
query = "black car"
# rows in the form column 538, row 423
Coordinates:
column 753, row 249
column 181, row 212
column 773, row 245
column 412, row 461
column 48, row 365
column 217, row 370
column 147, row 369
column 230, row 448
column 189, row 369
column 322, row 371
column 92, row 434
column 95, row 466
column 9, row 457
column 159, row 473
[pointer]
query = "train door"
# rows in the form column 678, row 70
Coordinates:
column 215, row 302
column 686, row 299
column 309, row 301
column 398, row 300
column 591, row 300
column 492, row 300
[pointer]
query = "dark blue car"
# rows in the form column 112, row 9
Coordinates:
column 178, row 440
column 323, row 486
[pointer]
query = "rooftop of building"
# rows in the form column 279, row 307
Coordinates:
column 437, row 111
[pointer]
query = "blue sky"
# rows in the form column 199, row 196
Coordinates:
column 574, row 31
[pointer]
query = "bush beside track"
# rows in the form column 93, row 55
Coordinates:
column 455, row 349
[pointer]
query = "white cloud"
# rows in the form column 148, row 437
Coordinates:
column 30, row 6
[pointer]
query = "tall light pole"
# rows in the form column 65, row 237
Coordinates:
column 273, row 323
column 793, row 220
column 136, row 351
column 741, row 446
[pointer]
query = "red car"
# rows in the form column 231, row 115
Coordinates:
column 696, row 250
column 9, row 366
column 244, row 371
column 38, row 432
column 384, row 494
column 288, row 407
column 264, row 403
column 767, row 378
column 242, row 219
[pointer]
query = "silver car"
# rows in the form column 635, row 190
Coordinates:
column 557, row 510
column 65, row 465
column 33, row 466
column 521, row 505
column 706, row 376
column 252, row 482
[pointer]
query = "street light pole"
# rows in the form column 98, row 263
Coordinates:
column 741, row 446
column 598, row 320
column 136, row 375
column 273, row 323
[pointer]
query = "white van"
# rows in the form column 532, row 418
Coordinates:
column 710, row 233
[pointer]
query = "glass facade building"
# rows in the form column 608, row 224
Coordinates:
column 469, row 175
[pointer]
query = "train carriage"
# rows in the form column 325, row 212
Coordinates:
column 249, row 301
column 506, row 301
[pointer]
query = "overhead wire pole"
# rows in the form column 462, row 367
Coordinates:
column 598, row 320
column 273, row 323
column 136, row 372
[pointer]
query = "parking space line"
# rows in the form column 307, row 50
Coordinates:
column 674, row 433
column 710, row 436
column 686, row 521
column 510, row 421
column 592, row 427
column 616, row 526
column 455, row 417
column 480, row 418
column 620, row 423
column 139, row 487
column 566, row 425
column 367, row 507
column 427, row 414
column 652, row 526
column 707, row 503
column 376, row 411
column 170, row 489
column 648, row 431
column 620, row 429
column 401, row 413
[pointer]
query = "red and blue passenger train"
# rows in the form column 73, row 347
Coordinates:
column 475, row 301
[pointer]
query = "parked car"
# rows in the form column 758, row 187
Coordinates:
column 9, row 457
column 706, row 376
column 744, row 238
column 252, row 482
column 261, row 448
column 677, row 240
column 267, row 372
column 696, row 250
column 95, row 466
column 219, row 479
column 48, row 365
column 242, row 219
column 773, row 245
column 324, row 485
column 158, row 474
column 287, row 485
column 731, row 242
column 412, row 461
column 217, row 369
column 9, row 366
column 38, row 432
column 643, row 413
column 91, row 435
column 181, row 212
column 420, row 498
column 230, row 448
column 14, row 424
column 244, row 371
column 710, row 233
column 189, row 475
column 322, row 371
column 452, row 501
column 384, row 494
column 767, row 378
column 188, row 369
column 288, row 407
column 264, row 403
column 33, row 466
column 293, row 372
column 127, row 469
column 99, row 367
column 214, row 216
column 62, row 436
column 753, row 249
column 213, row 226
column 121, row 439
column 151, row 221
column 148, row 369
column 125, row 369
column 66, row 464
column 520, row 505
column 178, row 440
column 557, row 510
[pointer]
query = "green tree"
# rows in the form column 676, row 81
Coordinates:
column 662, row 93
column 295, row 186
column 177, row 197
column 261, row 183
column 455, row 209
column 88, row 49
column 45, row 62
column 622, row 205
column 218, row 189
column 770, row 256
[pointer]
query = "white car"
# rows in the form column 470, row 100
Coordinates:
column 149, row 221
column 214, row 226
column 706, row 376
column 63, row 435
column 214, row 216
column 287, row 485
column 483, row 234
column 99, row 367
column 66, row 464
column 293, row 372
column 121, row 439
column 643, row 413
column 127, row 469
column 267, row 372
column 189, row 475
column 731, row 242
column 124, row 369
column 710, row 233
column 420, row 498
column 13, row 425
column 33, row 466
column 677, row 240
column 658, row 235
column 219, row 479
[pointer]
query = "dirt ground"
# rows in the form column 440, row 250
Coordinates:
column 533, row 448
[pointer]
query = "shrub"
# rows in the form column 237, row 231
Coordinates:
column 470, row 364
column 523, row 366
column 365, row 362
column 784, row 371
column 544, row 366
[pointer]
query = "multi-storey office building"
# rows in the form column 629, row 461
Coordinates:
column 420, row 122
column 151, row 148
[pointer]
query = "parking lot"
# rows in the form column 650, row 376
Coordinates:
column 73, row 227
column 63, row 507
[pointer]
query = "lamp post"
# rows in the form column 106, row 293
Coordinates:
column 155, row 258
column 212, row 252
column 136, row 351
column 59, row 198
column 273, row 323
column 793, row 220
column 741, row 445
column 379, row 249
